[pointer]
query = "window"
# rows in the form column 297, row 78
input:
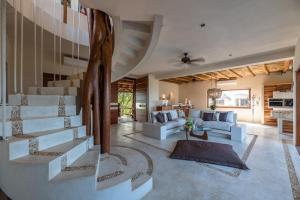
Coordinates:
column 233, row 99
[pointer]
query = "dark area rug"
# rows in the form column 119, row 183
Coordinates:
column 207, row 152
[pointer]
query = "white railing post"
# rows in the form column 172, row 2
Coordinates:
column 54, row 38
column 3, row 64
column 42, row 42
column 34, row 33
column 60, row 33
column 21, row 54
column 73, row 25
column 78, row 35
column 15, row 45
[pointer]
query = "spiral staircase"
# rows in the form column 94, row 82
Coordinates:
column 47, row 154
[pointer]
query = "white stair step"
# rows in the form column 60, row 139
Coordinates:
column 32, row 125
column 40, row 100
column 72, row 91
column 22, row 145
column 59, row 157
column 111, row 172
column 85, row 166
column 65, row 83
column 16, row 112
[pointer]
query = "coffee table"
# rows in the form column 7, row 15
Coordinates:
column 200, row 132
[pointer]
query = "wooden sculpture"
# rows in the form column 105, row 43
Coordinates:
column 96, row 94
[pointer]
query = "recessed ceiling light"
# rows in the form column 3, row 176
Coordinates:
column 202, row 25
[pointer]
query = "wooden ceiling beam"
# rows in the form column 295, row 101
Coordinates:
column 266, row 69
column 181, row 79
column 286, row 66
column 238, row 75
column 250, row 70
column 198, row 76
column 223, row 75
column 205, row 78
column 210, row 76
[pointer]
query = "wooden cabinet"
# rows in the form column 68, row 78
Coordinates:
column 268, row 93
column 162, row 108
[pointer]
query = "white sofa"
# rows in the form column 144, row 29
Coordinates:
column 160, row 131
column 225, row 127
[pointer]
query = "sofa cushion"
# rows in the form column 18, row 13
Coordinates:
column 223, row 116
column 208, row 116
column 230, row 117
column 216, row 116
column 174, row 114
column 181, row 114
column 153, row 117
column 198, row 122
column 174, row 124
column 225, row 126
column 195, row 113
column 160, row 118
column 169, row 116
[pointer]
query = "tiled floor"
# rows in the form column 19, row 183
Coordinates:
column 274, row 165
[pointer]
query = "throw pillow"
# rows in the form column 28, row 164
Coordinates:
column 160, row 118
column 174, row 114
column 216, row 116
column 208, row 116
column 223, row 116
column 230, row 117
column 169, row 116
column 181, row 114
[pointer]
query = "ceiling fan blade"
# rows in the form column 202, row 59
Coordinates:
column 198, row 60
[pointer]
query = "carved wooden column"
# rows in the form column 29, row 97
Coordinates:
column 97, row 83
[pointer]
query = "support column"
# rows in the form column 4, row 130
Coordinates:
column 97, row 83
column 3, row 63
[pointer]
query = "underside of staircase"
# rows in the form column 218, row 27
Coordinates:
column 48, row 155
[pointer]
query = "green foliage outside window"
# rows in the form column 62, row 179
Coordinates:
column 125, row 99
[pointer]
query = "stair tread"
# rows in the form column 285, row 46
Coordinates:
column 82, row 167
column 47, row 155
column 111, row 172
column 42, row 117
column 44, row 133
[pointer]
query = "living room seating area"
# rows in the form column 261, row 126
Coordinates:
column 165, row 123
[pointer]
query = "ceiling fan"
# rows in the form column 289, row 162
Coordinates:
column 187, row 60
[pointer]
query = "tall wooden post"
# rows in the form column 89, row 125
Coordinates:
column 97, row 83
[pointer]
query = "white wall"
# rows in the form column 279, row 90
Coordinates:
column 168, row 88
column 153, row 93
column 197, row 92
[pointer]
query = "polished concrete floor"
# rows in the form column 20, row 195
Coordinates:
column 274, row 170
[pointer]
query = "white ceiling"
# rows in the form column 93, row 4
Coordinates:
column 237, row 27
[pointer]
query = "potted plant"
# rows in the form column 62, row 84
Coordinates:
column 188, row 127
column 213, row 105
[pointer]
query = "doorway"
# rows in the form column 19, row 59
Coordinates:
column 125, row 100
